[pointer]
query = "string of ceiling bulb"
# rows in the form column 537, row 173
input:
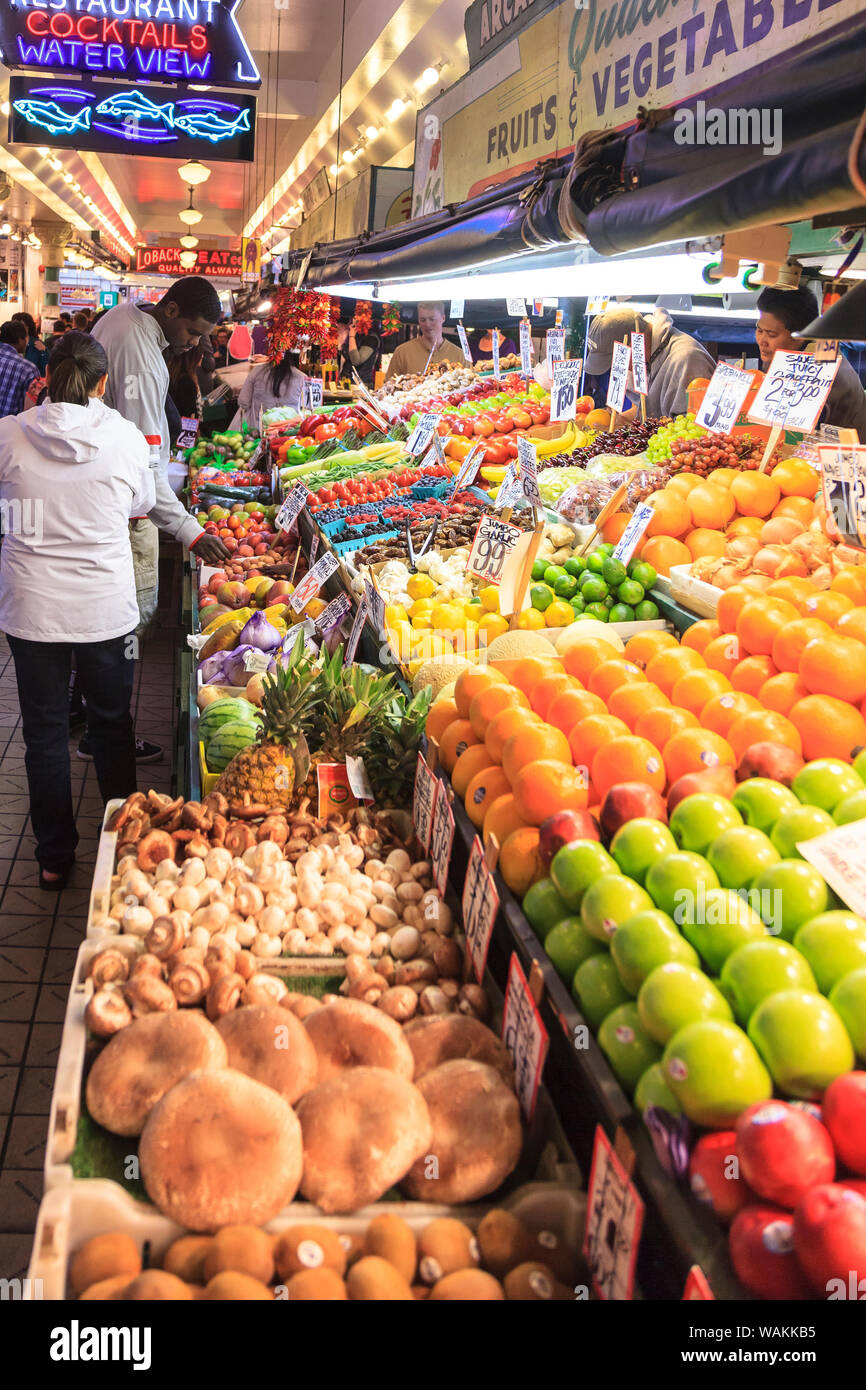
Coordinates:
column 428, row 78
column 50, row 158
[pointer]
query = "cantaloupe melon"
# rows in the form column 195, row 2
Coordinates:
column 439, row 671
column 588, row 627
column 511, row 646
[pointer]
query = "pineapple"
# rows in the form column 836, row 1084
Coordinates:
column 350, row 709
column 394, row 749
column 271, row 769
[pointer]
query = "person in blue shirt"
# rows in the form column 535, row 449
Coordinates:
column 16, row 373
column 35, row 351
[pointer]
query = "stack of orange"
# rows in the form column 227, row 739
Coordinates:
column 787, row 668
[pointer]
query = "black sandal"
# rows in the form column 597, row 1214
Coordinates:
column 55, row 885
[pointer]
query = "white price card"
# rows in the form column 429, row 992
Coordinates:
column 457, row 307
column 257, row 661
column 188, row 432
column 614, row 1218
column 630, row 538
column 493, row 542
column 723, row 399
column 527, row 458
column 358, row 779
column 494, row 338
column 566, row 385
column 293, row 504
column 525, row 348
column 313, row 581
column 793, row 391
column 596, row 305
column 555, row 340
column 422, row 433
column 469, row 467
column 375, row 607
column 840, row 856
column 510, row 492
column 427, row 786
column 334, row 613
column 638, row 363
column 480, row 906
column 314, row 393
column 516, row 308
column 357, row 629
column 441, row 839
column 618, row 376
column 314, row 549
column 525, row 1036
column 464, row 343
column 843, row 476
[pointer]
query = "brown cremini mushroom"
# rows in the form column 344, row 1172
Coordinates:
column 107, row 1013
column 155, row 846
column 355, row 1034
column 145, row 994
column 270, row 1044
column 224, row 995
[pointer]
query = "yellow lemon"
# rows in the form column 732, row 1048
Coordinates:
column 432, row 645
column 421, row 621
column 400, row 639
column 421, row 607
column 494, row 625
column 489, row 597
column 420, row 586
column 395, row 613
column 530, row 620
column 559, row 614
column 446, row 617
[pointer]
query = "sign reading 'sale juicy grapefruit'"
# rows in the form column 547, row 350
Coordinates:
column 165, row 260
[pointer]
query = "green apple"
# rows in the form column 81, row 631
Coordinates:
column 596, row 988
column 802, row 1040
column 851, row 808
column 787, row 894
column 674, row 880
column 715, row 1072
column 721, row 921
column 794, row 826
column 609, row 902
column 825, row 782
column 543, row 907
column 848, row 997
column 569, row 944
column 627, row 1046
column 739, row 855
column 645, row 941
column 575, row 866
column 674, row 995
column 652, row 1089
column 697, row 820
column 761, row 801
column 638, row 843
column 834, row 944
column 760, row 968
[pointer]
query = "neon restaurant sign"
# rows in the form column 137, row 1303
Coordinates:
column 185, row 40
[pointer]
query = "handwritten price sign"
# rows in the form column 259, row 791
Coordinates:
column 357, row 629
column 464, row 342
column 525, row 348
column 555, row 347
column 441, row 839
column 840, row 856
column 480, row 906
column 313, row 581
column 469, row 467
column 457, row 307
column 527, row 458
column 723, row 399
column 614, row 1218
column 424, row 801
column 492, row 543
column 638, row 363
column 794, row 391
column 525, row 1036
column 422, row 433
column 314, row 393
column 294, row 503
column 516, row 308
column 334, row 613
column 618, row 376
column 375, row 607
column 566, row 384
column 510, row 492
column 495, row 352
column 630, row 537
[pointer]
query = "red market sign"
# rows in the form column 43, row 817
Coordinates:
column 165, row 260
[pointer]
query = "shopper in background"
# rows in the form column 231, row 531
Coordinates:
column 481, row 345
column 35, row 351
column 363, row 354
column 81, row 321
column 183, row 387
column 259, row 335
column 220, row 341
column 673, row 358
column 73, row 472
column 268, row 386
column 16, row 373
column 781, row 313
column 418, row 353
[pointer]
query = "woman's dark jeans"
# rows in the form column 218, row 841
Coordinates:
column 106, row 671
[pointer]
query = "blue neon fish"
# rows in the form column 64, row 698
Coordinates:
column 207, row 126
column 52, row 118
column 134, row 104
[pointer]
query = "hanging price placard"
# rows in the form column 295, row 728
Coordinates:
column 794, row 391
column 638, row 363
column 525, row 1036
column 422, row 433
column 314, row 393
column 843, row 472
column 358, row 779
column 516, row 308
column 357, row 629
column 188, row 432
column 614, row 1218
column 469, row 467
column 480, row 906
column 555, row 340
column 618, row 376
column 492, row 543
column 375, row 607
column 314, row 549
column 564, row 392
column 537, row 307
column 525, row 348
column 723, row 399
column 441, row 839
column 313, row 581
column 334, row 613
column 424, row 801
column 292, row 506
column 510, row 492
column 464, row 343
column 630, row 538
column 494, row 337
column 528, row 461
column 457, row 307
column 840, row 856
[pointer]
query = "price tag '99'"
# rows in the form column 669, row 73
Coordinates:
column 566, row 384
column 492, row 543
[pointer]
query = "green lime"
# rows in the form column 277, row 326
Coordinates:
column 614, row 571
column 594, row 590
column 646, row 611
column 606, row 548
column 540, row 597
column 595, row 562
column 621, row 613
column 538, row 568
column 595, row 610
column 552, row 573
column 589, row 577
column 609, row 601
column 565, row 586
column 578, row 603
column 576, row 566
column 642, row 573
column 630, row 592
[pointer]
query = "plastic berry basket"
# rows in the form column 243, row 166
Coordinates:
column 360, row 543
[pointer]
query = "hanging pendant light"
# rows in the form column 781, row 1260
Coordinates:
column 190, row 215
column 188, row 259
column 189, row 241
column 194, row 173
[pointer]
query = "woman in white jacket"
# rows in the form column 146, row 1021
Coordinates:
column 72, row 473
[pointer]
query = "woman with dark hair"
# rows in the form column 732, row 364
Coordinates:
column 270, row 385
column 781, row 314
column 35, row 351
column 183, row 384
column 72, row 473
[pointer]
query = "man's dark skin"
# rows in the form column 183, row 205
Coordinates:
column 20, row 344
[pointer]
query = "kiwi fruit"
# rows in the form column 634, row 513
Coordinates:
column 467, row 1285
column 155, row 1286
column 373, row 1280
column 106, row 1290
column 531, row 1281
column 394, row 1240
column 101, row 1257
column 243, row 1249
column 353, row 1244
column 444, row 1246
column 233, row 1286
column 185, row 1257
column 504, row 1242
column 308, row 1246
column 552, row 1251
column 322, row 1284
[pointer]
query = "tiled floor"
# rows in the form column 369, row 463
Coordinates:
column 40, row 932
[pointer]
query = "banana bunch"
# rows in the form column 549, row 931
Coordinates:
column 563, row 443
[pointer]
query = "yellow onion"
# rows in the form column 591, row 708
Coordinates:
column 768, row 559
column 742, row 547
column 781, row 529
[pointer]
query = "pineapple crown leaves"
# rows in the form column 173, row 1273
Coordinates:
column 355, row 695
column 292, row 691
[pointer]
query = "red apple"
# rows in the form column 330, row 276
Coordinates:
column 714, row 1175
column 719, row 781
column 628, row 801
column 783, row 1151
column 216, row 579
column 563, row 827
column 856, row 1185
column 830, row 1239
column 845, row 1118
column 761, row 1243
column 771, row 760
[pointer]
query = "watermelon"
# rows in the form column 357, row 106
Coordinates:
column 229, row 739
column 228, row 709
